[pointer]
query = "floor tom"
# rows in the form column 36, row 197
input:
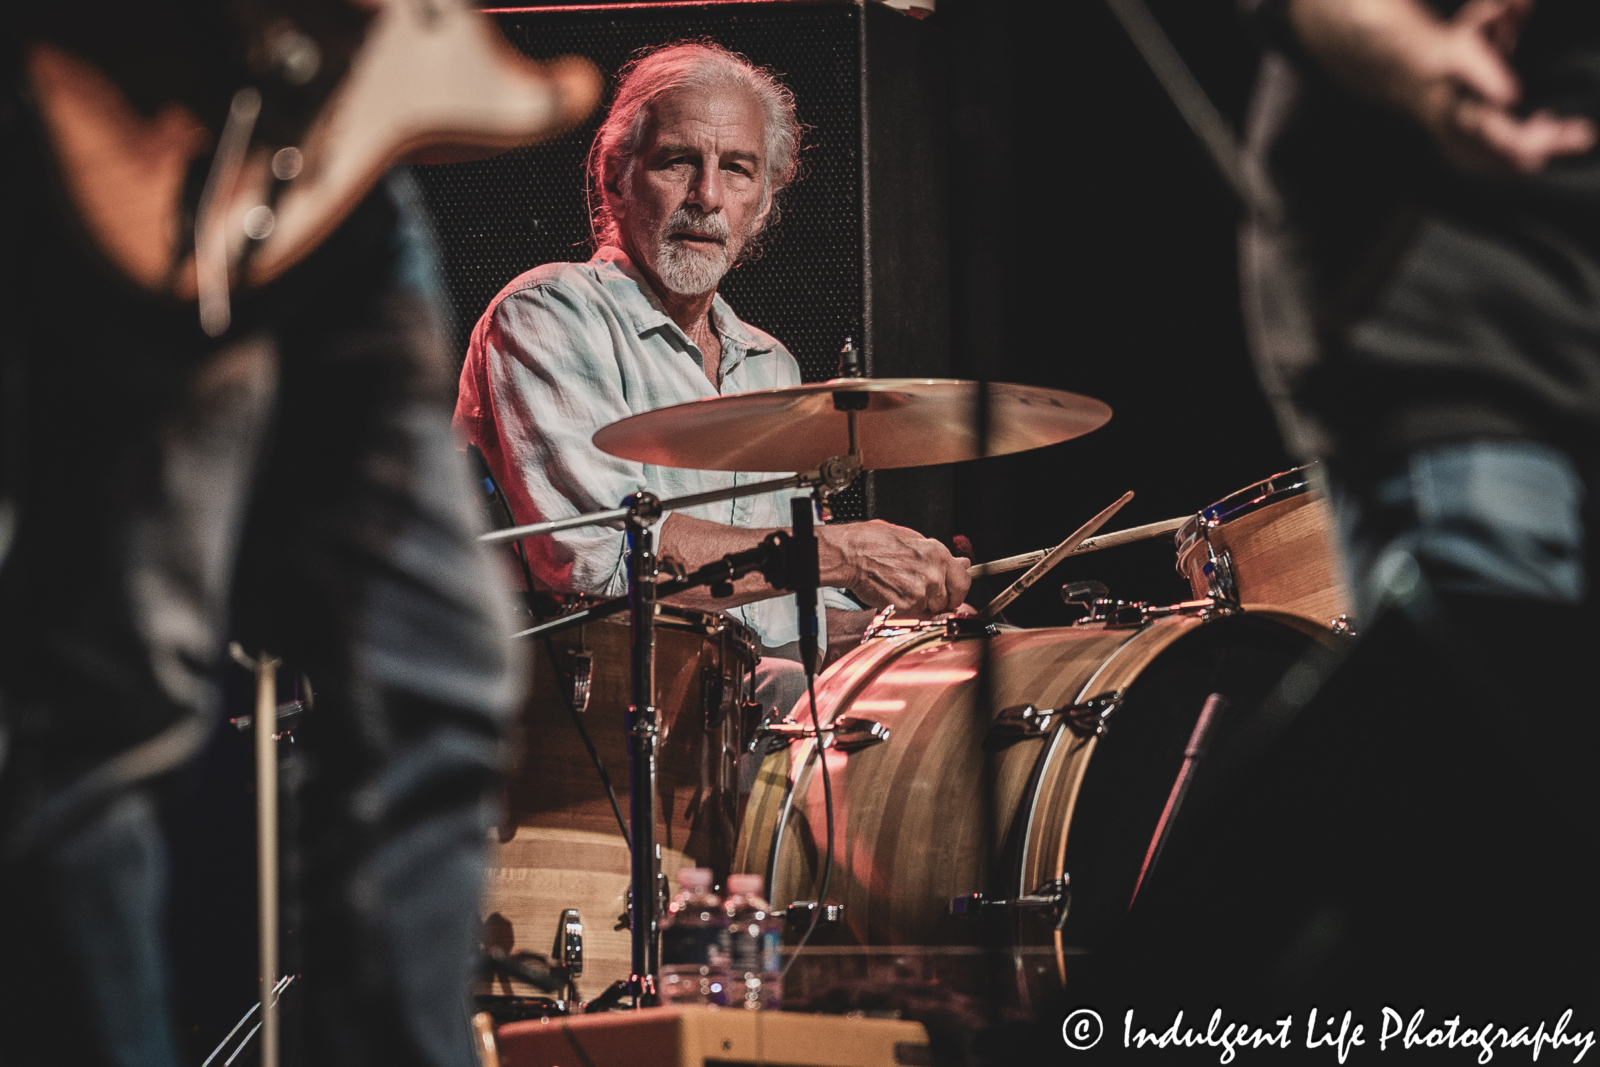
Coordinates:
column 561, row 846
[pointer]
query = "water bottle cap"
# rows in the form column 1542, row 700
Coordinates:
column 748, row 885
column 695, row 878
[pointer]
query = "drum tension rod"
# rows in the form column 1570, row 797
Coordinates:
column 1055, row 896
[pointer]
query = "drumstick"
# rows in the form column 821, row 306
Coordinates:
column 1051, row 558
column 1092, row 544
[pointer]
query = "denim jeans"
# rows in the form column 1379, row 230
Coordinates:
column 1488, row 517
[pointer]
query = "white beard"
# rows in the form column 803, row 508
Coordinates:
column 688, row 272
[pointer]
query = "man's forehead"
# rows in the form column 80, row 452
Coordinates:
column 727, row 114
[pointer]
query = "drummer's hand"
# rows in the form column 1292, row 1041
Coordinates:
column 884, row 564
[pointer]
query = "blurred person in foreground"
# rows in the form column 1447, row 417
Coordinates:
column 1413, row 826
column 297, row 472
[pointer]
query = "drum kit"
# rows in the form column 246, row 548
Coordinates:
column 998, row 793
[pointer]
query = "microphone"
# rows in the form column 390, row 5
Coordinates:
column 805, row 574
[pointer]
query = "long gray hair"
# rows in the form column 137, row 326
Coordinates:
column 701, row 64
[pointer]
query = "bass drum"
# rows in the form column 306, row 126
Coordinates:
column 1052, row 815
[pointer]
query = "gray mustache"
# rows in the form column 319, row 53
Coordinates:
column 713, row 225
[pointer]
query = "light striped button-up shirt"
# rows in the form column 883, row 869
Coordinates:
column 570, row 347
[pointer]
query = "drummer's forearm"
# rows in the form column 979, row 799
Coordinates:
column 697, row 542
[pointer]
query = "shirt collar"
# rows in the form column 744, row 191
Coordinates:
column 633, row 291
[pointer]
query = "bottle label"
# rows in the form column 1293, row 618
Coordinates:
column 685, row 945
column 753, row 950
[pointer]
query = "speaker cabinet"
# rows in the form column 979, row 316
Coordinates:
column 860, row 249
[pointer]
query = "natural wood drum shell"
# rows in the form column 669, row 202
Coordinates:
column 561, row 847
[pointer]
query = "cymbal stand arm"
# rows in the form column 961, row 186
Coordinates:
column 625, row 513
column 576, row 618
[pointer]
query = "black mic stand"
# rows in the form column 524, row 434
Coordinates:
column 643, row 510
column 804, row 575
column 788, row 561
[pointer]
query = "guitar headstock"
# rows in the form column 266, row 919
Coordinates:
column 290, row 161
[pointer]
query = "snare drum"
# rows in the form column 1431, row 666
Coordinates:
column 1033, row 821
column 563, row 847
column 1270, row 544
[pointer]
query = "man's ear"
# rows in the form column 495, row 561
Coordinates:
column 611, row 188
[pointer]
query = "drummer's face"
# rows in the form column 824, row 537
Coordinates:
column 698, row 188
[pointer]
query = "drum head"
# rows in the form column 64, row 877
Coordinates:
column 1128, row 782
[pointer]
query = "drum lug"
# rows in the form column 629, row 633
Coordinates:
column 799, row 913
column 968, row 626
column 1055, row 895
column 852, row 734
column 582, row 679
column 1016, row 723
column 1220, row 581
column 1093, row 717
column 847, row 733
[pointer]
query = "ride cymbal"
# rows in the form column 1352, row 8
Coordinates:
column 905, row 422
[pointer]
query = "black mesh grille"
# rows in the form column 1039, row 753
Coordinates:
column 500, row 217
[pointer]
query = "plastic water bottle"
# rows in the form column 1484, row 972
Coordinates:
column 754, row 941
column 692, row 962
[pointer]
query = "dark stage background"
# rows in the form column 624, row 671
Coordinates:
column 1092, row 249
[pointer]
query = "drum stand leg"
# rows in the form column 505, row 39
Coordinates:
column 642, row 735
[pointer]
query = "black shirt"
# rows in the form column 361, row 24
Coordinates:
column 1446, row 304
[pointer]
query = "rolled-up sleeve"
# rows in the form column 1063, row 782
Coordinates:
column 551, row 380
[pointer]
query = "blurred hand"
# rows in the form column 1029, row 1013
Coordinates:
column 885, row 564
column 1450, row 76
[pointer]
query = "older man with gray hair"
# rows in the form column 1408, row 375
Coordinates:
column 683, row 177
